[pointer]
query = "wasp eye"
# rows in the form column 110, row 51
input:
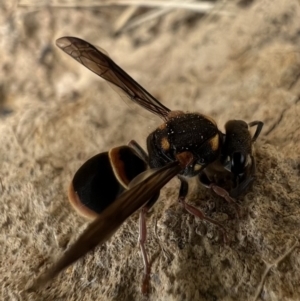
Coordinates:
column 238, row 163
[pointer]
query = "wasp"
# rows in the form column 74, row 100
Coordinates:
column 112, row 185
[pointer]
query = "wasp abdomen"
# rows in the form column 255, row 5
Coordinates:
column 101, row 179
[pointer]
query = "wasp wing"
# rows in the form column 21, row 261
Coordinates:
column 99, row 63
column 102, row 228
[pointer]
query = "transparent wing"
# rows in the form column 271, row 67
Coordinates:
column 112, row 218
column 98, row 62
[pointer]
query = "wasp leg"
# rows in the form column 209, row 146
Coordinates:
column 194, row 211
column 222, row 192
column 259, row 127
column 142, row 242
column 139, row 151
column 225, row 195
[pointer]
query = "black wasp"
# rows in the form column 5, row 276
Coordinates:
column 113, row 185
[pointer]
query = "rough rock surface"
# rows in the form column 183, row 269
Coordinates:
column 55, row 115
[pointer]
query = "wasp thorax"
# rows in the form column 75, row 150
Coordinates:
column 191, row 132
